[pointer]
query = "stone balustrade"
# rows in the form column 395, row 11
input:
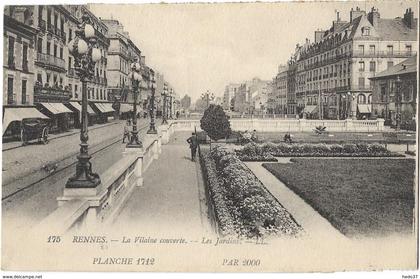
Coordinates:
column 289, row 125
column 88, row 209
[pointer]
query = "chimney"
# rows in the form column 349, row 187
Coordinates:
column 318, row 35
column 356, row 13
column 373, row 16
column 409, row 18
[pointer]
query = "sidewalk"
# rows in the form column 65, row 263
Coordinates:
column 20, row 162
column 168, row 202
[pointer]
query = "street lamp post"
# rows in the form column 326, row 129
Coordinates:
column 83, row 48
column 164, row 109
column 398, row 83
column 152, row 128
column 136, row 82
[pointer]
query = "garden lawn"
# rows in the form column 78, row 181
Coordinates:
column 368, row 197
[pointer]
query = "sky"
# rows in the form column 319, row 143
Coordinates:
column 199, row 47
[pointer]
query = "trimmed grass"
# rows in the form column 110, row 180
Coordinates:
column 367, row 197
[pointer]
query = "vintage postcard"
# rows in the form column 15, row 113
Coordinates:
column 210, row 137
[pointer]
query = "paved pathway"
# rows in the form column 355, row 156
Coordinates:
column 169, row 200
column 315, row 226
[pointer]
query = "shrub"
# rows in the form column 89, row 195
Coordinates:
column 246, row 207
column 215, row 122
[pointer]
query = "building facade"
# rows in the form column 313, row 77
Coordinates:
column 18, row 57
column 394, row 94
column 336, row 68
column 228, row 95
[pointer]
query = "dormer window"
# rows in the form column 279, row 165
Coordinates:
column 365, row 31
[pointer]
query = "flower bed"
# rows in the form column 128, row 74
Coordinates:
column 253, row 150
column 243, row 206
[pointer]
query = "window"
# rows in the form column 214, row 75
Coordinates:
column 361, row 99
column 390, row 64
column 361, row 49
column 39, row 78
column 70, row 35
column 361, row 66
column 55, row 50
column 365, row 31
column 408, row 49
column 10, row 99
column 11, row 53
column 39, row 46
column 70, row 64
column 390, row 49
column 369, row 99
column 49, row 17
column 24, row 91
column 372, row 66
column 372, row 49
column 383, row 93
column 48, row 48
column 361, row 82
column 48, row 78
column 25, row 57
column 61, row 52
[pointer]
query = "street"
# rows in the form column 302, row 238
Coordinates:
column 25, row 208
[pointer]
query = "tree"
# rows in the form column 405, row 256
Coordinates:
column 215, row 123
column 186, row 102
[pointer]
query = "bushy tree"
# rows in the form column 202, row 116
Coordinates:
column 215, row 122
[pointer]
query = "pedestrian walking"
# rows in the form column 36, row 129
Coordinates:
column 126, row 131
column 193, row 145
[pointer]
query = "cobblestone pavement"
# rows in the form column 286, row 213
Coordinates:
column 169, row 200
column 20, row 162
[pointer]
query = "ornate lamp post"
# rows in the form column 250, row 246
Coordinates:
column 136, row 82
column 398, row 83
column 83, row 48
column 164, row 109
column 152, row 128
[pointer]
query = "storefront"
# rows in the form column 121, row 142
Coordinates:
column 61, row 117
column 104, row 110
column 77, row 110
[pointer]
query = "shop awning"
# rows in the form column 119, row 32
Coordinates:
column 126, row 107
column 104, row 107
column 78, row 106
column 108, row 107
column 363, row 108
column 56, row 108
column 17, row 114
column 310, row 109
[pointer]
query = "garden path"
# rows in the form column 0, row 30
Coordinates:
column 170, row 201
column 314, row 225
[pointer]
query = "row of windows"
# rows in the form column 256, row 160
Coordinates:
column 11, row 96
column 11, row 54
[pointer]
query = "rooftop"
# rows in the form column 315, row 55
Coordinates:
column 408, row 66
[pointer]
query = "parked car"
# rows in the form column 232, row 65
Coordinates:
column 34, row 129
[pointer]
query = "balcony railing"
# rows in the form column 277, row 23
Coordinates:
column 51, row 93
column 400, row 54
column 52, row 61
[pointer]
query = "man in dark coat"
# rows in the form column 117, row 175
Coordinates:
column 193, row 145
